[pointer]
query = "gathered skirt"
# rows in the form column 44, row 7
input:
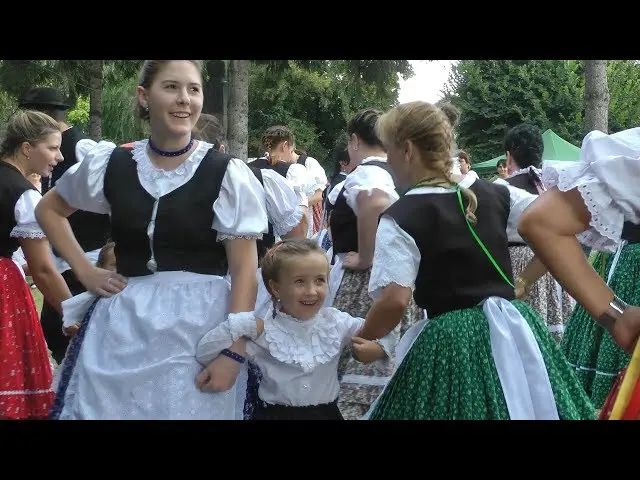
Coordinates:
column 25, row 369
column 589, row 348
column 449, row 373
column 134, row 355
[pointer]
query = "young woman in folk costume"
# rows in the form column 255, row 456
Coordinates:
column 183, row 216
column 597, row 200
column 31, row 144
column 279, row 143
column 523, row 145
column 319, row 183
column 340, row 160
column 367, row 191
column 481, row 355
column 286, row 207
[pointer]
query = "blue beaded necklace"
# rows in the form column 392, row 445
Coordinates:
column 176, row 153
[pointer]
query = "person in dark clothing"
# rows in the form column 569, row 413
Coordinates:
column 90, row 229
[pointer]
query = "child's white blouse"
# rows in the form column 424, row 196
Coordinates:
column 298, row 358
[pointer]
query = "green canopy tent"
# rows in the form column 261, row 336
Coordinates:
column 556, row 149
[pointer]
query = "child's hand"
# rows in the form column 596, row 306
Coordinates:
column 367, row 351
column 219, row 376
column 71, row 330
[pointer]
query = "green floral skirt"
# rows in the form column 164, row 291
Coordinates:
column 589, row 348
column 449, row 373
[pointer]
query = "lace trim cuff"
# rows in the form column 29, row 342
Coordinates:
column 606, row 218
column 284, row 226
column 243, row 324
column 30, row 230
column 227, row 236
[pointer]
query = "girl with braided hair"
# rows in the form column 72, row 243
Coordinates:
column 482, row 354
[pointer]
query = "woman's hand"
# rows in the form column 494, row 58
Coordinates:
column 626, row 329
column 352, row 262
column 102, row 282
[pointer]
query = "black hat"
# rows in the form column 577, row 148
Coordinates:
column 44, row 97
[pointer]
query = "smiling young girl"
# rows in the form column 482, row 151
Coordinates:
column 183, row 216
column 298, row 345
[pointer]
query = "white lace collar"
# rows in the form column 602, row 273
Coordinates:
column 306, row 343
column 149, row 171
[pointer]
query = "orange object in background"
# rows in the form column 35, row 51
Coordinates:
column 623, row 402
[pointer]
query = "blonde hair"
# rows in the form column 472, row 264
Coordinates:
column 429, row 129
column 26, row 126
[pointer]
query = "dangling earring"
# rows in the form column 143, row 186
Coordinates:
column 275, row 306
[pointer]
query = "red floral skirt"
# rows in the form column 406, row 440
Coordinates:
column 25, row 370
column 317, row 218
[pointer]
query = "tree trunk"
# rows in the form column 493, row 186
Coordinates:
column 95, row 100
column 596, row 96
column 238, row 116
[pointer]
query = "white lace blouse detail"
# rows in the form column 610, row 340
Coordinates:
column 396, row 255
column 239, row 209
column 298, row 358
column 26, row 224
column 606, row 176
column 306, row 343
column 286, row 204
column 366, row 179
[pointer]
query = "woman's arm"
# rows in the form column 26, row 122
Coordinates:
column 550, row 226
column 243, row 266
column 240, row 218
column 44, row 273
column 221, row 374
column 534, row 270
column 52, row 213
column 370, row 207
column 386, row 312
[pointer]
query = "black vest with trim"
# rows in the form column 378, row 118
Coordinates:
column 183, row 238
column 454, row 271
column 343, row 222
column 268, row 239
column 281, row 167
column 92, row 230
column 12, row 185
column 630, row 232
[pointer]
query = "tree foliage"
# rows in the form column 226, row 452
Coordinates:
column 495, row 95
column 314, row 97
column 317, row 98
